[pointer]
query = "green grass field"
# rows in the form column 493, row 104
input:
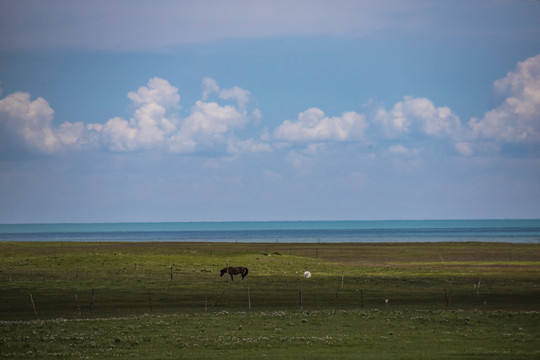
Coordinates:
column 368, row 301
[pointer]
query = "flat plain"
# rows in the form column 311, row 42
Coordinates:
column 369, row 301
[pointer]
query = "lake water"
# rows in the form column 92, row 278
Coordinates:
column 514, row 231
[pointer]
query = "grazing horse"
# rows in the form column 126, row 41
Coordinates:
column 238, row 270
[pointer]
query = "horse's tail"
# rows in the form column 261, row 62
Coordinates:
column 245, row 273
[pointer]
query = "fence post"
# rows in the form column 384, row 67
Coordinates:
column 300, row 295
column 33, row 305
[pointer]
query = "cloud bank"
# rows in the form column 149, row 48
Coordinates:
column 213, row 122
column 154, row 125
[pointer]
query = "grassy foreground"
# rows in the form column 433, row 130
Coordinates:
column 167, row 301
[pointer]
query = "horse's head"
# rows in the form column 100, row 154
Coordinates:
column 223, row 272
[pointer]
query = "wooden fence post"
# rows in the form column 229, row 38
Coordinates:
column 300, row 295
column 33, row 305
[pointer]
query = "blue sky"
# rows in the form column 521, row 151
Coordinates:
column 268, row 110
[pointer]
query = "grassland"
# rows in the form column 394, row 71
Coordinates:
column 167, row 301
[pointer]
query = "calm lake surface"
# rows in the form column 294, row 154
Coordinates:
column 514, row 231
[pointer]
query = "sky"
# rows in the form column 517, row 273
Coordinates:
column 252, row 110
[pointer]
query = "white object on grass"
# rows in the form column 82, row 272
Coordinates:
column 307, row 274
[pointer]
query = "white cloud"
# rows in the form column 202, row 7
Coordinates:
column 241, row 96
column 517, row 119
column 237, row 94
column 209, row 86
column 154, row 124
column 151, row 124
column 158, row 91
column 417, row 116
column 30, row 121
column 211, row 125
column 313, row 125
column 210, row 120
column 147, row 129
column 392, row 124
column 119, row 135
column 77, row 135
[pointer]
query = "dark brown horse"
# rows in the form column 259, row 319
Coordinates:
column 238, row 270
